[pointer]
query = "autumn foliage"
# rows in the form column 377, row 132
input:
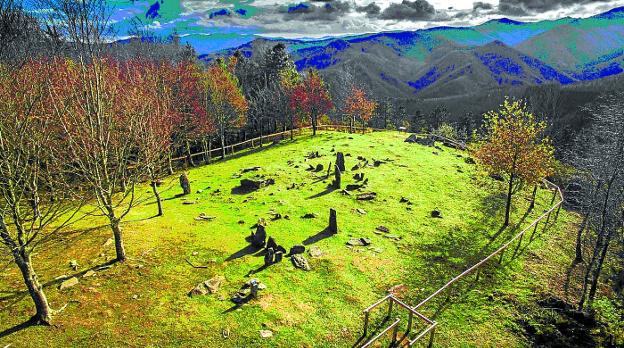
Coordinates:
column 514, row 147
column 311, row 99
column 358, row 106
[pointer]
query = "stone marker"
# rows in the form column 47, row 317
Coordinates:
column 278, row 257
column 258, row 239
column 336, row 183
column 340, row 162
column 269, row 256
column 271, row 243
column 68, row 283
column 333, row 221
column 184, row 183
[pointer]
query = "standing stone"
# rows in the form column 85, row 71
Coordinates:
column 258, row 239
column 337, row 178
column 333, row 223
column 340, row 162
column 278, row 256
column 268, row 257
column 184, row 182
column 271, row 244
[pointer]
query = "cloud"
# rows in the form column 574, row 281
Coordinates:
column 524, row 7
column 479, row 5
column 418, row 10
column 371, row 9
column 331, row 10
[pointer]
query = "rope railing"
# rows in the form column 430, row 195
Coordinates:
column 557, row 193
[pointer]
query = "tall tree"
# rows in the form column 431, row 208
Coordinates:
column 223, row 98
column 359, row 107
column 312, row 98
column 37, row 197
column 514, row 147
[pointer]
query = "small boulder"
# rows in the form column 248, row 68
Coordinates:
column 359, row 242
column 366, row 196
column 266, row 333
column 300, row 261
column 310, row 216
column 68, row 283
column 436, row 214
column 383, row 229
column 315, row 251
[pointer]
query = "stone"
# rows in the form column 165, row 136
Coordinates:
column 435, row 153
column 337, row 178
column 392, row 236
column 278, row 257
column 383, row 229
column 249, row 185
column 436, row 214
column 315, row 251
column 269, row 256
column 89, row 273
column 340, row 161
column 359, row 242
column 68, row 283
column 319, row 167
column 366, row 196
column 210, row 286
column 258, row 239
column 353, row 187
column 310, row 215
column 271, row 243
column 404, row 200
column 469, row 160
column 333, row 221
column 356, row 167
column 199, row 191
column 251, row 169
column 185, row 184
column 297, row 249
column 266, row 333
column 204, row 217
column 360, row 211
column 73, row 264
column 300, row 261
column 188, row 202
column 108, row 242
column 415, row 139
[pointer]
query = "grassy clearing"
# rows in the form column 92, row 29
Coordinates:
column 144, row 302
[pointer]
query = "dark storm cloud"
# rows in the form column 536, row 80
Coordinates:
column 330, row 10
column 371, row 9
column 482, row 6
column 409, row 10
column 523, row 7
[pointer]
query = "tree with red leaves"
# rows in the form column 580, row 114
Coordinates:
column 311, row 98
column 223, row 99
column 358, row 106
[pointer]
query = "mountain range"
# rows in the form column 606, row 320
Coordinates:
column 454, row 61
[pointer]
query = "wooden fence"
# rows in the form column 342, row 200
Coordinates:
column 555, row 207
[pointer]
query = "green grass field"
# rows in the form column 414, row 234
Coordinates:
column 144, row 302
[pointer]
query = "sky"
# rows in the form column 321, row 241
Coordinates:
column 211, row 25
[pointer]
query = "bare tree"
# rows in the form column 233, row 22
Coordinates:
column 37, row 197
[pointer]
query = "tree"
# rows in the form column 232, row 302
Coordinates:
column 37, row 197
column 223, row 98
column 358, row 106
column 598, row 155
column 311, row 98
column 513, row 146
column 289, row 80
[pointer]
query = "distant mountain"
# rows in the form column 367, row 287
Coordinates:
column 447, row 61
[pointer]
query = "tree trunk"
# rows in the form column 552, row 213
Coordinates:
column 188, row 151
column 533, row 198
column 205, row 149
column 579, row 240
column 222, row 145
column 170, row 162
column 509, row 194
column 35, row 289
column 158, row 200
column 120, row 249
column 363, row 127
column 598, row 270
column 313, row 125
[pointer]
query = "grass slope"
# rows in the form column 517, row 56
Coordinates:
column 144, row 302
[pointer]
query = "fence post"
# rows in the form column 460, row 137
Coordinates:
column 500, row 260
column 394, row 335
column 431, row 338
column 365, row 323
column 390, row 303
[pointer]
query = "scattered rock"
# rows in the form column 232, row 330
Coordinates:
column 258, row 238
column 204, row 217
column 188, row 202
column 266, row 333
column 404, row 200
column 436, row 214
column 469, row 160
column 435, row 153
column 310, row 216
column 249, row 185
column 184, row 183
column 383, row 229
column 247, row 292
column 353, row 187
column 89, row 273
column 398, row 290
column 359, row 242
column 426, row 141
column 360, row 211
column 319, row 167
column 73, row 264
column 315, row 251
column 108, row 242
column 366, row 196
column 392, row 236
column 297, row 249
column 300, row 261
column 251, row 169
column 68, row 283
